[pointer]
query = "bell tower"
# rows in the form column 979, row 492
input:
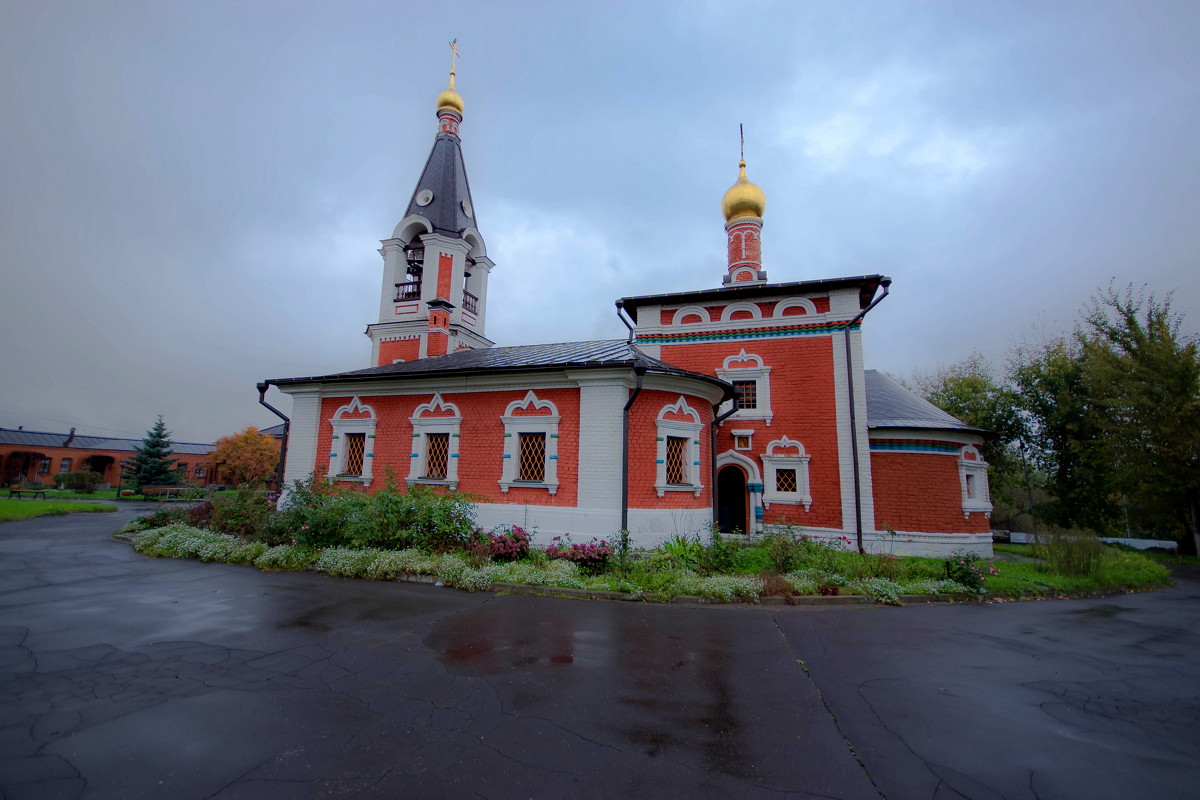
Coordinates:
column 435, row 266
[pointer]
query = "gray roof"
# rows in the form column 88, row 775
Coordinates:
column 891, row 405
column 44, row 439
column 523, row 358
column 274, row 430
column 446, row 176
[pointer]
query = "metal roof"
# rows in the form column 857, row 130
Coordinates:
column 45, row 439
column 891, row 405
column 445, row 176
column 523, row 358
column 867, row 284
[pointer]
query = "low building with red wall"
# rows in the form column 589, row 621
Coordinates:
column 35, row 457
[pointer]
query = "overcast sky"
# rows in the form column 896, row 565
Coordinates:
column 193, row 193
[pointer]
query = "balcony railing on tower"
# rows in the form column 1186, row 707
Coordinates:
column 408, row 291
column 470, row 302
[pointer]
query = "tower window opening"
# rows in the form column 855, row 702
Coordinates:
column 437, row 455
column 356, row 447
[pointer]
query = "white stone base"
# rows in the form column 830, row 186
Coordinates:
column 647, row 527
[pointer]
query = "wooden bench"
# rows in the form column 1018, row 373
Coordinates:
column 21, row 492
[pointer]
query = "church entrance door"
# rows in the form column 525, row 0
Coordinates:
column 732, row 500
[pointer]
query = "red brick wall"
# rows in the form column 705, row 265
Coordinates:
column 921, row 492
column 481, row 442
column 643, row 452
column 803, row 400
column 408, row 349
column 110, row 474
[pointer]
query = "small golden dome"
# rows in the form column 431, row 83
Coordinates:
column 743, row 198
column 450, row 98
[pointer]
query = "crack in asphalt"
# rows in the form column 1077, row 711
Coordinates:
column 828, row 709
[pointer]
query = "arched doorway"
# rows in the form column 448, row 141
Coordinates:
column 732, row 500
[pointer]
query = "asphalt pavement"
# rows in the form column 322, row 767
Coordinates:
column 123, row 676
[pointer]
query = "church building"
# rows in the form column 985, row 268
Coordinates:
column 744, row 405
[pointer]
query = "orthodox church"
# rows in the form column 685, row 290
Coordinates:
column 744, row 405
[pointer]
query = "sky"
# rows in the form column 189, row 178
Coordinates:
column 193, row 193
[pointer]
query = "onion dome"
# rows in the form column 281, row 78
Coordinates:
column 450, row 99
column 744, row 199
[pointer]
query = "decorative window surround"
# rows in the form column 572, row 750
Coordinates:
column 422, row 427
column 760, row 374
column 349, row 419
column 514, row 425
column 973, row 475
column 690, row 431
column 733, row 308
column 786, row 454
column 810, row 308
column 691, row 311
column 743, row 439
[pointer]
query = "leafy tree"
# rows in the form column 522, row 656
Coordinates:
column 152, row 464
column 1065, row 433
column 1144, row 378
column 247, row 458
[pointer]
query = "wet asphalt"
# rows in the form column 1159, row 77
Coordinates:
column 128, row 677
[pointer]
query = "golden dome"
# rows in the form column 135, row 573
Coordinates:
column 743, row 198
column 450, row 98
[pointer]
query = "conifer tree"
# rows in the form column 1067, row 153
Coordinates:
column 152, row 464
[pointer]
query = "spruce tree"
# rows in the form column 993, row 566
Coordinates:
column 152, row 464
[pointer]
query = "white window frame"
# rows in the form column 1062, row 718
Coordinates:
column 64, row 466
column 341, row 427
column 510, row 467
column 422, row 427
column 690, row 431
column 975, row 468
column 760, row 374
column 748, row 434
column 774, row 461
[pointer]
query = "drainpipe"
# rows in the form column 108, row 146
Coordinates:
column 858, row 527
column 639, row 370
column 287, row 427
column 717, row 420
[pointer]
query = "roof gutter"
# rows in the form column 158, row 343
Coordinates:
column 287, row 427
column 858, row 526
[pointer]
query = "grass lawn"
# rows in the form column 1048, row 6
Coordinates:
column 66, row 494
column 11, row 510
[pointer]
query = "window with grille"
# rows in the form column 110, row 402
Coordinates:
column 65, row 466
column 676, row 454
column 747, row 394
column 785, row 480
column 356, row 446
column 437, row 455
column 532, row 452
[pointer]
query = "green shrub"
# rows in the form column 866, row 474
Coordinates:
column 84, row 481
column 783, row 548
column 1070, row 552
column 244, row 512
column 718, row 556
column 342, row 562
column 296, row 558
column 969, row 570
column 881, row 590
